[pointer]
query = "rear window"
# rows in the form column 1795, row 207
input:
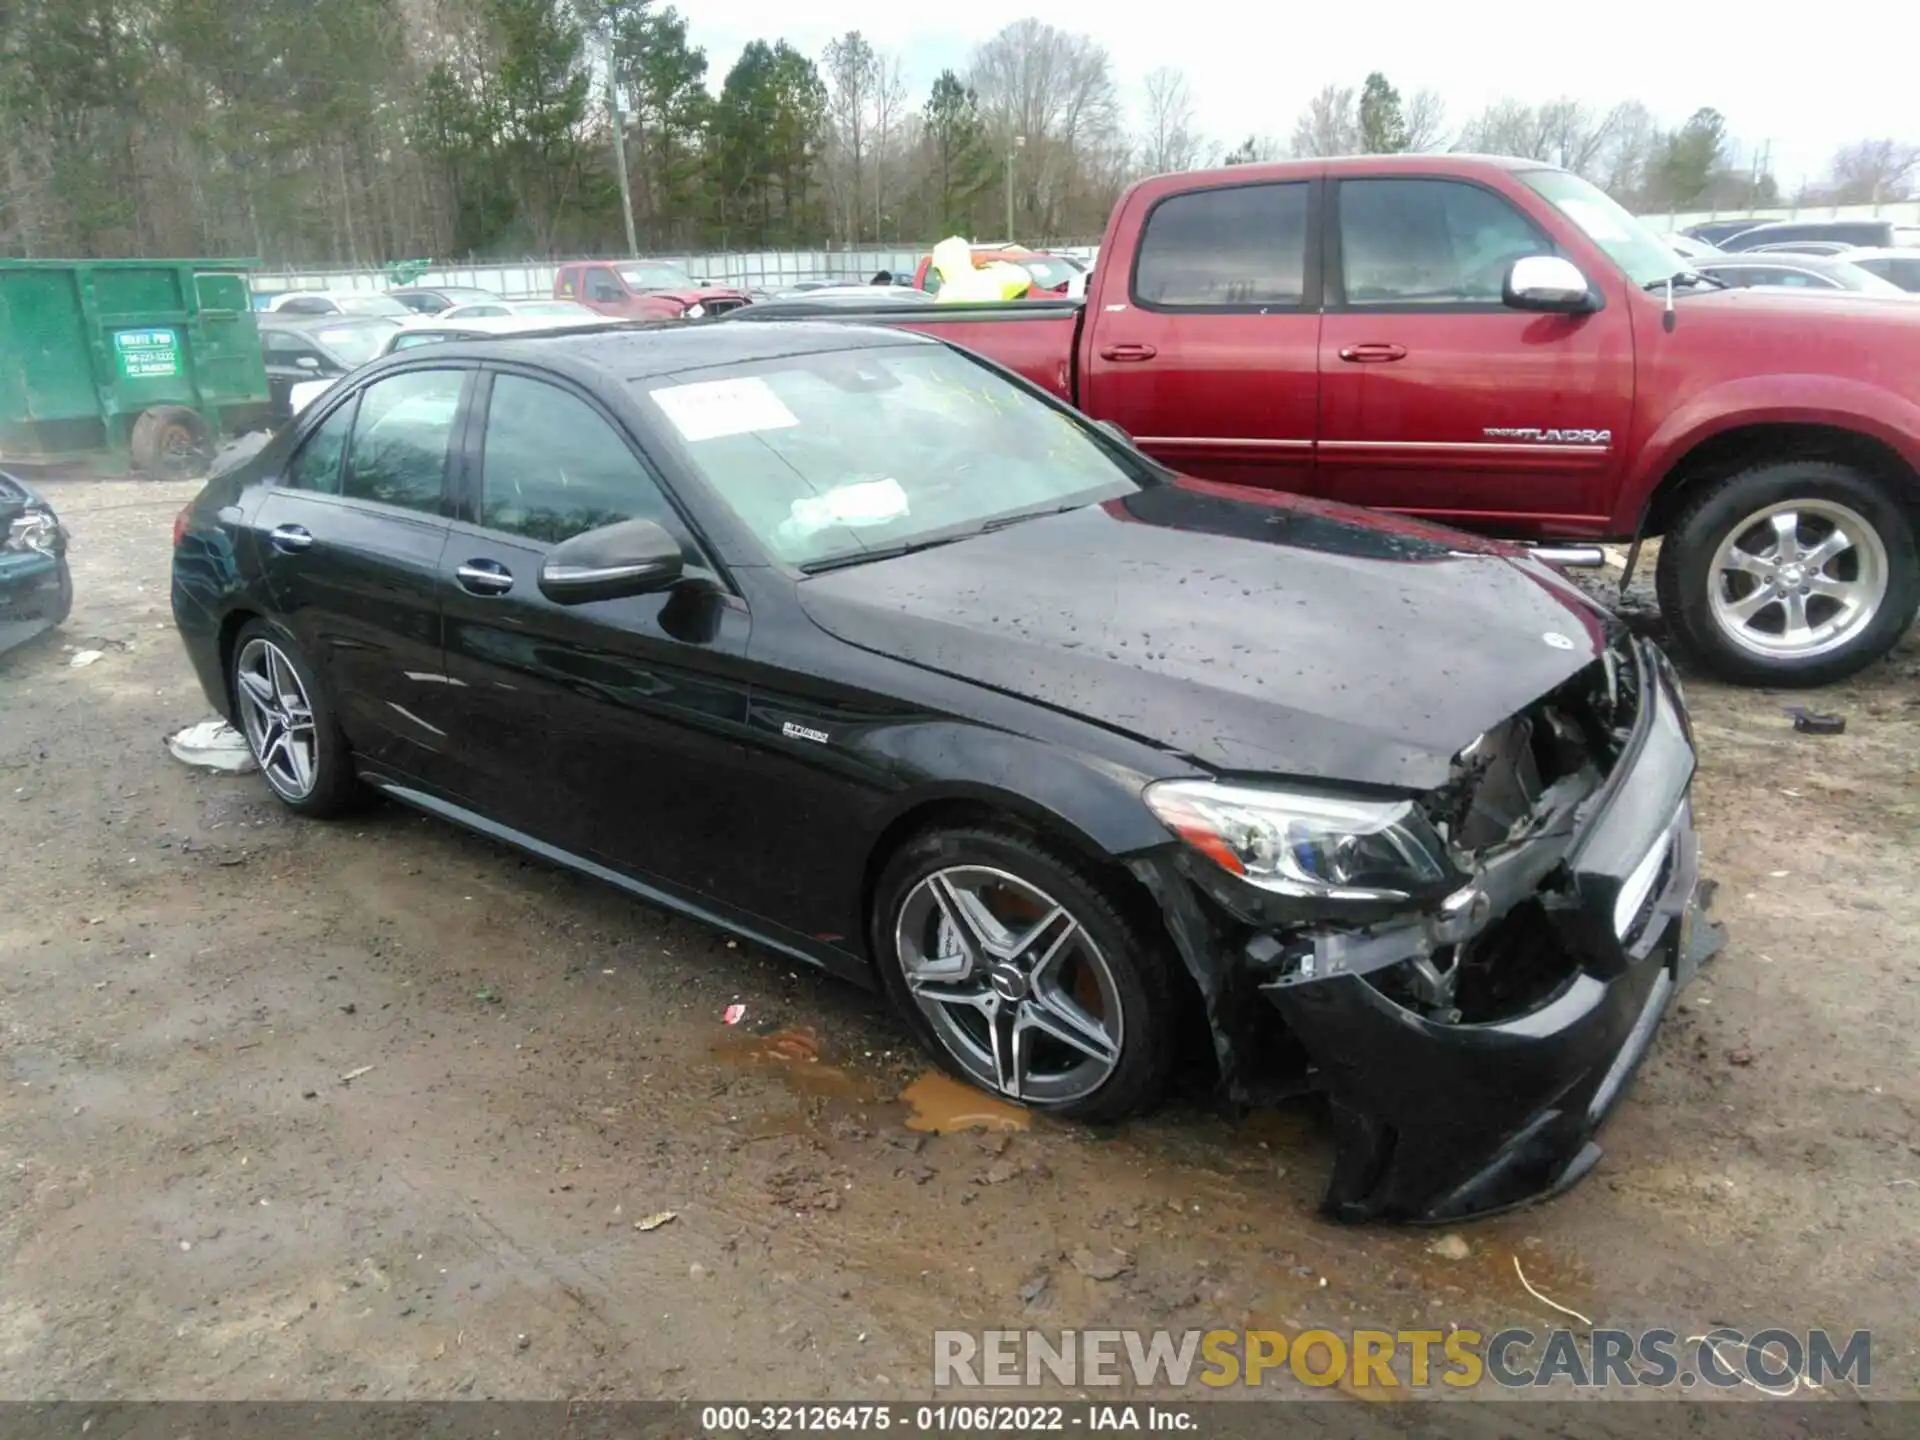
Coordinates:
column 1243, row 246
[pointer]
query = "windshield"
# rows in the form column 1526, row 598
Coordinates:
column 656, row 275
column 357, row 344
column 828, row 456
column 1627, row 241
column 370, row 305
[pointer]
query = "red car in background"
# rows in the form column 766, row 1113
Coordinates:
column 643, row 290
column 1051, row 273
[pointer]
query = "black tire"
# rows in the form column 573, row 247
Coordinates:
column 63, row 598
column 1686, row 581
column 1135, row 960
column 335, row 789
column 170, row 442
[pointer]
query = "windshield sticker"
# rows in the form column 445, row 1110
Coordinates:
column 714, row 409
column 869, row 502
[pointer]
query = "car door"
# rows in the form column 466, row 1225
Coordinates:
column 601, row 290
column 291, row 359
column 1211, row 366
column 610, row 729
column 349, row 543
column 1437, row 398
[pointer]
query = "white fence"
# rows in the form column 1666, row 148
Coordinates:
column 753, row 269
column 776, row 269
column 1903, row 212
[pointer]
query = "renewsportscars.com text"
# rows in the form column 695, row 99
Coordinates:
column 1723, row 1358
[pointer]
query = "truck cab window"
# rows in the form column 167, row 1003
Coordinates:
column 1429, row 242
column 1240, row 246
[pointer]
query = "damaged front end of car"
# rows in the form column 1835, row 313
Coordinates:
column 1470, row 976
column 36, row 588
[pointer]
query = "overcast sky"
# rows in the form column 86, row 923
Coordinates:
column 1253, row 65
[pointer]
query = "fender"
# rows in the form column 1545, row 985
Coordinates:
column 1780, row 399
column 1094, row 800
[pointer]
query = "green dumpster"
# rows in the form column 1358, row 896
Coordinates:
column 150, row 361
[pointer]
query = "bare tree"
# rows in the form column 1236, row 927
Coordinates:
column 1168, row 142
column 1055, row 89
column 1330, row 125
column 1870, row 171
column 1564, row 132
column 852, row 73
column 1426, row 120
column 889, row 108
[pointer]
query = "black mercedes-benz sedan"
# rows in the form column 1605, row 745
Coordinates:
column 852, row 643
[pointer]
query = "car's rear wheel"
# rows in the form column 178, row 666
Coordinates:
column 1791, row 573
column 1020, row 971
column 289, row 728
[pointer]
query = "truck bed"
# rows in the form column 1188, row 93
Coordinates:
column 1034, row 338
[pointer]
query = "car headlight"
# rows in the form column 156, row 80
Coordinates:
column 37, row 531
column 693, row 311
column 1298, row 843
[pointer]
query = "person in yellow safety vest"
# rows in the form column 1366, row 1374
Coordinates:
column 961, row 281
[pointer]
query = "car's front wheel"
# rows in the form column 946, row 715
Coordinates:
column 289, row 728
column 1791, row 573
column 1018, row 969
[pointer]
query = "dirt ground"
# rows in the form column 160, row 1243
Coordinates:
column 197, row 1202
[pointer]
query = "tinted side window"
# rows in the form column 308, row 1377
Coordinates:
column 1241, row 246
column 399, row 450
column 553, row 468
column 282, row 346
column 1429, row 242
column 316, row 465
column 602, row 286
column 307, row 306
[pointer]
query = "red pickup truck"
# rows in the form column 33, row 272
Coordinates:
column 1498, row 345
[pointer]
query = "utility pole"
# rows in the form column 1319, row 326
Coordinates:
column 1019, row 141
column 619, row 136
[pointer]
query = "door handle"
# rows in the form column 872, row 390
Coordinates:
column 1128, row 352
column 484, row 577
column 290, row 539
column 1373, row 354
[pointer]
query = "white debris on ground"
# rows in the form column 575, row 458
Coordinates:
column 84, row 659
column 212, row 745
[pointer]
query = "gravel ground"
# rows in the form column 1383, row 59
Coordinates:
column 196, row 1201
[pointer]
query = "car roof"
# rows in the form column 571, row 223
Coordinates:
column 1755, row 258
column 280, row 320
column 640, row 351
column 1815, row 228
column 1879, row 252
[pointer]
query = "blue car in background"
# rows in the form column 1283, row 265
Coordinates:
column 36, row 587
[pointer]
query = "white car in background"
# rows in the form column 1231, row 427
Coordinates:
column 337, row 302
column 512, row 309
column 437, row 329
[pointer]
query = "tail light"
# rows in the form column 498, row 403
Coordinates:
column 180, row 523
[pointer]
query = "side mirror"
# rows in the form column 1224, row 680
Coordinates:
column 307, row 362
column 1115, row 431
column 1548, row 283
column 635, row 557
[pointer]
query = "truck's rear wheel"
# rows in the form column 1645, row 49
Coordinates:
column 170, row 442
column 1791, row 573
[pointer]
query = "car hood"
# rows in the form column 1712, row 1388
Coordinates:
column 1275, row 636
column 687, row 295
column 16, row 499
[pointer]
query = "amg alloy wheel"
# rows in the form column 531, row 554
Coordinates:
column 289, row 729
column 1024, row 975
column 278, row 718
column 1012, row 984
